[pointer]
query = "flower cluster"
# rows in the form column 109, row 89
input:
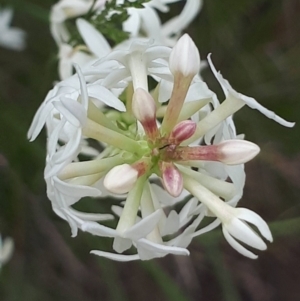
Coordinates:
column 10, row 37
column 142, row 23
column 139, row 125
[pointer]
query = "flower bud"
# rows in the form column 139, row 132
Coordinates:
column 171, row 178
column 182, row 131
column 144, row 109
column 230, row 152
column 185, row 58
column 143, row 105
column 120, row 179
column 233, row 152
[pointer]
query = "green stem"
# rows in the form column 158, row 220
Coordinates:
column 179, row 92
column 78, row 169
column 110, row 137
column 96, row 115
column 227, row 108
column 218, row 187
column 132, row 204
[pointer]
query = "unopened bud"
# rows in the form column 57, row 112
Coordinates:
column 234, row 152
column 230, row 152
column 171, row 178
column 183, row 130
column 185, row 58
column 120, row 179
column 144, row 109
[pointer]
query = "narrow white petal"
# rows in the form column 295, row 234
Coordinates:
column 92, row 216
column 6, row 250
column 133, row 23
column 77, row 191
column 208, row 228
column 241, row 231
column 171, row 224
column 99, row 230
column 93, row 38
column 237, row 245
column 117, row 257
column 178, row 23
column 39, row 120
column 121, row 244
column 163, row 249
column 256, row 220
column 105, row 96
column 72, row 109
column 144, row 227
column 83, row 88
column 251, row 102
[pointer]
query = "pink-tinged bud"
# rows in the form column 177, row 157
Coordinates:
column 185, row 58
column 182, row 131
column 171, row 178
column 144, row 109
column 233, row 152
column 230, row 152
column 143, row 105
column 120, row 179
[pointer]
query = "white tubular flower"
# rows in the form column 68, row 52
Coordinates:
column 233, row 220
column 10, row 37
column 187, row 148
column 6, row 250
column 235, row 228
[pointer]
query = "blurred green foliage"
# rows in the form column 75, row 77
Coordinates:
column 256, row 46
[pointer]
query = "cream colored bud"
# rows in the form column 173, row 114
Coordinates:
column 120, row 179
column 233, row 152
column 143, row 106
column 185, row 58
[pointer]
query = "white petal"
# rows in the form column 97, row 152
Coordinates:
column 208, row 228
column 91, row 216
column 241, row 231
column 121, row 244
column 144, row 227
column 178, row 23
column 237, row 245
column 251, row 102
column 163, row 249
column 105, row 96
column 256, row 220
column 6, row 249
column 99, row 230
column 77, row 191
column 171, row 224
column 93, row 38
column 117, row 257
column 132, row 24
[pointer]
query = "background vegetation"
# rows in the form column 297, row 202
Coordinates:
column 256, row 45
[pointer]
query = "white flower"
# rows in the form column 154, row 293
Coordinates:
column 6, row 250
column 10, row 37
column 233, row 220
column 141, row 21
column 147, row 21
column 235, row 228
column 147, row 146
